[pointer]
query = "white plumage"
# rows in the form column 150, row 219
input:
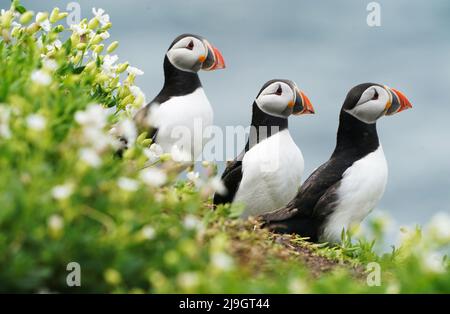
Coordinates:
column 360, row 189
column 182, row 120
column 271, row 174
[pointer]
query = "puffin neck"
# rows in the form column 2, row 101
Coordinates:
column 263, row 126
column 178, row 82
column 355, row 136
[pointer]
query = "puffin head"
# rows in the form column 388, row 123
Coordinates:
column 369, row 101
column 281, row 98
column 192, row 53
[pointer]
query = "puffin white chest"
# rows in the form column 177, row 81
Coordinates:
column 181, row 121
column 271, row 174
column 361, row 187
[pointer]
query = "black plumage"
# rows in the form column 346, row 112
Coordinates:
column 263, row 125
column 306, row 213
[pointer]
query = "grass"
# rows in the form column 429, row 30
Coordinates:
column 130, row 223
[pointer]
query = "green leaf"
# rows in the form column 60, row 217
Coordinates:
column 21, row 9
column 78, row 70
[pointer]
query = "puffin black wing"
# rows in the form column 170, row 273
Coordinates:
column 313, row 203
column 231, row 178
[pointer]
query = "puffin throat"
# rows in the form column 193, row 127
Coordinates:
column 178, row 82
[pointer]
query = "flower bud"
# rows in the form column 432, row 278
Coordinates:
column 122, row 67
column 54, row 15
column 112, row 47
column 96, row 40
column 123, row 91
column 81, row 46
column 101, row 78
column 98, row 48
column 15, row 32
column 62, row 15
column 90, row 66
column 7, row 18
column 32, row 28
column 93, row 23
column 58, row 29
column 147, row 142
column 41, row 17
column 127, row 100
column 26, row 17
column 114, row 82
column 75, row 39
column 77, row 58
column 5, row 35
column 106, row 27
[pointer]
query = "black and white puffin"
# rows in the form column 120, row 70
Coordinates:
column 348, row 186
column 182, row 104
column 267, row 174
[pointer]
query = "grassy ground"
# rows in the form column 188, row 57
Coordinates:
column 130, row 223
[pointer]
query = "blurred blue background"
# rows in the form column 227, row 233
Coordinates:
column 326, row 47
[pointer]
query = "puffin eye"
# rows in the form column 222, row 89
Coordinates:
column 279, row 91
column 375, row 96
column 190, row 46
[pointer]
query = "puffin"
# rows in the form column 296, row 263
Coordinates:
column 178, row 115
column 268, row 172
column 344, row 190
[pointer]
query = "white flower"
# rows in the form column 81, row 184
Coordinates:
column 135, row 71
column 55, row 222
column 49, row 64
column 192, row 222
column 61, row 192
column 104, row 35
column 194, row 177
column 80, row 29
column 221, row 261
column 148, row 232
column 43, row 22
column 57, row 44
column 36, row 122
column 90, row 157
column 46, row 26
column 138, row 95
column 127, row 129
column 439, row 226
column 5, row 113
column 108, row 66
column 127, row 184
column 101, row 16
column 153, row 153
column 94, row 115
column 153, row 177
column 136, row 92
column 433, row 262
column 41, row 77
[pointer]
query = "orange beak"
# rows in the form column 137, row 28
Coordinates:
column 302, row 104
column 214, row 59
column 399, row 102
column 404, row 102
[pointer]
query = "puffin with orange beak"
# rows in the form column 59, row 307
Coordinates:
column 182, row 104
column 345, row 189
column 267, row 174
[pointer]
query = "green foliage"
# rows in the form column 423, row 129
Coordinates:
column 130, row 224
